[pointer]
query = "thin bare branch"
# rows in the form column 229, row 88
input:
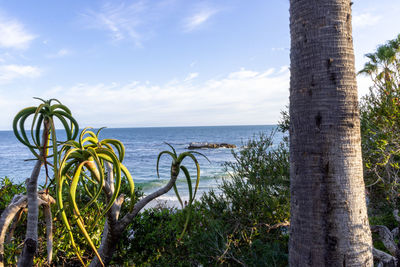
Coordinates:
column 396, row 215
column 17, row 203
column 143, row 202
column 386, row 237
column 395, row 232
column 383, row 258
column 14, row 225
column 49, row 231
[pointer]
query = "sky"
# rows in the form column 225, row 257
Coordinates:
column 162, row 63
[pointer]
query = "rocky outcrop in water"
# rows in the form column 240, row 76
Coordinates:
column 195, row 145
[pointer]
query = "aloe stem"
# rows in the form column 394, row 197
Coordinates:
column 30, row 244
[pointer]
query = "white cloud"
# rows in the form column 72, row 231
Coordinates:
column 121, row 21
column 284, row 69
column 279, row 49
column 11, row 72
column 199, row 18
column 242, row 97
column 243, row 74
column 191, row 76
column 365, row 19
column 60, row 53
column 13, row 34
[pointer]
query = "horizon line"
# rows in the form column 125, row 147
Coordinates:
column 143, row 127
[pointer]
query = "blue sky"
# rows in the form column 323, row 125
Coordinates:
column 161, row 63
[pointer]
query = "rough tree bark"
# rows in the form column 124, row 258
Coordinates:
column 329, row 223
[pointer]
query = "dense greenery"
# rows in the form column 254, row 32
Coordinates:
column 244, row 221
column 64, row 253
column 380, row 128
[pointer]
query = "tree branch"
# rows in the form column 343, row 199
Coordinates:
column 396, row 215
column 110, row 232
column 14, row 225
column 17, row 203
column 383, row 258
column 386, row 237
column 48, row 200
column 144, row 201
column 395, row 232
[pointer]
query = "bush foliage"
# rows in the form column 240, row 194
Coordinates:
column 243, row 222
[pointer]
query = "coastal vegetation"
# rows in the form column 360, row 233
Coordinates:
column 89, row 212
column 245, row 221
column 380, row 127
column 86, row 182
column 226, row 226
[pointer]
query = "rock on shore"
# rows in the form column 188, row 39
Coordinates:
column 195, row 145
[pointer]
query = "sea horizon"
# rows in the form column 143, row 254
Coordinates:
column 139, row 127
column 142, row 146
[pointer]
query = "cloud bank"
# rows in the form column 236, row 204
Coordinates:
column 11, row 72
column 13, row 34
column 366, row 19
column 200, row 17
column 241, row 97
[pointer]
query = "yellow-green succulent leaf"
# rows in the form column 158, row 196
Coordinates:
column 74, row 124
column 159, row 157
column 130, row 181
column 190, row 155
column 24, row 112
column 189, row 182
column 36, row 138
column 99, row 130
column 177, row 194
column 118, row 145
column 173, row 149
column 65, row 124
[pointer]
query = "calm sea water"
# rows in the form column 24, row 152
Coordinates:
column 142, row 147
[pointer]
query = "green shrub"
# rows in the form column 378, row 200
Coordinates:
column 254, row 203
column 244, row 224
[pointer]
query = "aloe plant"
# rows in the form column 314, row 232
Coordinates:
column 85, row 162
column 42, row 138
column 178, row 160
column 88, row 167
column 112, row 234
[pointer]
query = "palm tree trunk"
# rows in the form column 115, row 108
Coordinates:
column 329, row 223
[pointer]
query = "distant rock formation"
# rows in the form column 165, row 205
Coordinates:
column 195, row 145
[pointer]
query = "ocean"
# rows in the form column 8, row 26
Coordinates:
column 142, row 147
